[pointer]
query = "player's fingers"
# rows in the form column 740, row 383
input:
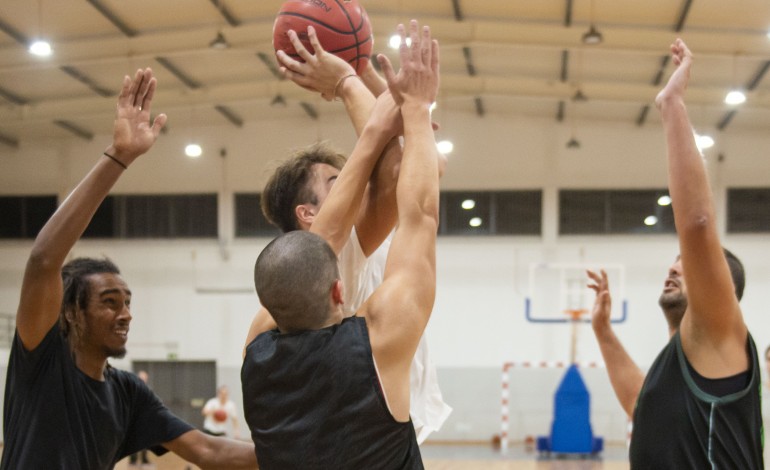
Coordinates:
column 149, row 93
column 426, row 46
column 434, row 56
column 313, row 37
column 414, row 36
column 387, row 69
column 298, row 46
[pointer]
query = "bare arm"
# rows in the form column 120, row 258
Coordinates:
column 215, row 453
column 334, row 78
column 625, row 376
column 713, row 332
column 398, row 311
column 41, row 291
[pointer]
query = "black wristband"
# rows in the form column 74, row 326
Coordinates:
column 115, row 160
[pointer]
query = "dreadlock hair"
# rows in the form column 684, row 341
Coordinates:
column 76, row 294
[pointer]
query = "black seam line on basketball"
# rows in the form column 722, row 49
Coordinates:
column 315, row 20
column 352, row 26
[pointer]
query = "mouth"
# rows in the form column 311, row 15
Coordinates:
column 122, row 332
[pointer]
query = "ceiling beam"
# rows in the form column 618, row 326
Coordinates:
column 568, row 14
column 113, row 18
column 87, row 81
column 177, row 72
column 9, row 141
column 642, row 118
column 12, row 97
column 456, row 10
column 758, row 76
column 564, row 74
column 270, row 64
column 14, row 33
column 469, row 61
column 310, row 110
column 679, row 26
column 74, row 129
column 560, row 111
column 222, row 9
column 230, row 115
column 480, row 111
column 725, row 121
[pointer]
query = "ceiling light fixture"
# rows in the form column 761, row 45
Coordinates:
column 219, row 42
column 592, row 36
column 193, row 150
column 573, row 143
column 735, row 97
column 468, row 204
column 650, row 220
column 445, row 146
column 40, row 48
column 664, row 200
column 475, row 222
column 278, row 100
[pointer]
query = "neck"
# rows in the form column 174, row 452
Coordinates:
column 92, row 365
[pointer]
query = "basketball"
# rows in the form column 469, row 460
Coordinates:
column 220, row 416
column 342, row 27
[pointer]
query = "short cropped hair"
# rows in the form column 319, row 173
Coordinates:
column 737, row 272
column 289, row 186
column 76, row 294
column 294, row 276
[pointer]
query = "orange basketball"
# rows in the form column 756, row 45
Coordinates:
column 342, row 27
column 220, row 415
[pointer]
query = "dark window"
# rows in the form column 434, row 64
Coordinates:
column 491, row 213
column 614, row 212
column 249, row 220
column 156, row 216
column 748, row 210
column 24, row 216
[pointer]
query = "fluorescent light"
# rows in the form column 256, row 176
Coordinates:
column 193, row 150
column 40, row 48
column 475, row 222
column 650, row 220
column 735, row 97
column 664, row 200
column 468, row 204
column 445, row 146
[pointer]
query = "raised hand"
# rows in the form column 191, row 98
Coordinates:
column 387, row 116
column 321, row 71
column 418, row 78
column 600, row 315
column 677, row 84
column 133, row 134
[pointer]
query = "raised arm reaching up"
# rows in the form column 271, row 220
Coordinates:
column 398, row 311
column 133, row 135
column 713, row 332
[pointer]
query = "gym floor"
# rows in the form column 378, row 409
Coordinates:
column 465, row 457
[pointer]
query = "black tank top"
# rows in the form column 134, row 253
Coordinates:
column 313, row 401
column 679, row 426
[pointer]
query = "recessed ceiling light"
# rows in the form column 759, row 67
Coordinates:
column 650, row 220
column 40, row 48
column 468, row 204
column 735, row 97
column 664, row 200
column 193, row 150
column 704, row 141
column 395, row 41
column 475, row 222
column 445, row 146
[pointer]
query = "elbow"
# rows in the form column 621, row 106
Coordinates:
column 40, row 261
column 695, row 223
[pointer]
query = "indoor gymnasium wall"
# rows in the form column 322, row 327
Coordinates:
column 193, row 299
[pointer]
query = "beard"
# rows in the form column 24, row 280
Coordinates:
column 673, row 304
column 115, row 353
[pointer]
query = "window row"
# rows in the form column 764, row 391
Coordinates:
column 581, row 212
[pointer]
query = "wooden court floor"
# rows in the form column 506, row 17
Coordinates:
column 518, row 461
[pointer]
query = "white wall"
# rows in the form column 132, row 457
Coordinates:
column 478, row 321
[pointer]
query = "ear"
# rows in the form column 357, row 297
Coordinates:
column 338, row 292
column 305, row 214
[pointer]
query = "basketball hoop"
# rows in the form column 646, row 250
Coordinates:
column 575, row 313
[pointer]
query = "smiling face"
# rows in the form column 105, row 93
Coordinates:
column 673, row 299
column 107, row 316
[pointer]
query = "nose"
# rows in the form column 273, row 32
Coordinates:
column 125, row 313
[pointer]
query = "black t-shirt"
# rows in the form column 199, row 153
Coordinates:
column 56, row 417
column 678, row 425
column 313, row 401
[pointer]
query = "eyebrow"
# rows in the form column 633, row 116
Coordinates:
column 114, row 291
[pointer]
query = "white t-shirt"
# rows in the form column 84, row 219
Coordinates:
column 360, row 277
column 212, row 425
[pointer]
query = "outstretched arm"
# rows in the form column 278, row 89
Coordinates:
column 215, row 453
column 625, row 376
column 398, row 311
column 133, row 135
column 333, row 78
column 713, row 332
